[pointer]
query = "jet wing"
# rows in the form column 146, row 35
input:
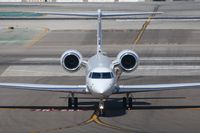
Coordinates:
column 155, row 87
column 45, row 87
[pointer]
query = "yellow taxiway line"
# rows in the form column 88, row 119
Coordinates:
column 37, row 38
column 94, row 118
column 144, row 27
column 141, row 32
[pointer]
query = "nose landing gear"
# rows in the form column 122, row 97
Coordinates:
column 101, row 107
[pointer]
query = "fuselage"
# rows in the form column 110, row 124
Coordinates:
column 101, row 78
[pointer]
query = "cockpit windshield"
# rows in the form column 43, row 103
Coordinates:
column 96, row 75
column 103, row 75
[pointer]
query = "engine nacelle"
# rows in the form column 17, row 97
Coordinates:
column 128, row 60
column 71, row 60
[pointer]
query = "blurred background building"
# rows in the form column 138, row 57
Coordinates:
column 89, row 0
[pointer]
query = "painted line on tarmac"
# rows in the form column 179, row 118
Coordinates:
column 141, row 31
column 194, row 109
column 144, row 27
column 37, row 38
column 141, row 58
column 41, row 59
column 57, row 70
column 93, row 119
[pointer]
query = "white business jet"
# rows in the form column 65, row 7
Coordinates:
column 102, row 73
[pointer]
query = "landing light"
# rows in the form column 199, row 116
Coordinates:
column 101, row 107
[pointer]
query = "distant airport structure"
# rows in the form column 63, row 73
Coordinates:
column 85, row 0
column 92, row 0
column 41, row 1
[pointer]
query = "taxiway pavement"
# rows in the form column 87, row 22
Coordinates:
column 169, row 53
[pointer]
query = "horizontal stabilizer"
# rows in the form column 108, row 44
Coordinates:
column 101, row 14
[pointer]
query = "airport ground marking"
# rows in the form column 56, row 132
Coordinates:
column 37, row 38
column 144, row 26
column 94, row 118
column 141, row 31
column 194, row 109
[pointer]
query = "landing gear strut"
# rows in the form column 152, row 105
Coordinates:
column 127, row 102
column 101, row 107
column 75, row 103
column 72, row 102
column 130, row 102
column 69, row 102
column 124, row 102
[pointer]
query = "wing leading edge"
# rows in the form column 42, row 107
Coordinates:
column 45, row 87
column 82, row 88
column 155, row 87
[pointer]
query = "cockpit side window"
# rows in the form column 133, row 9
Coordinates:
column 96, row 75
column 111, row 75
column 106, row 75
column 90, row 76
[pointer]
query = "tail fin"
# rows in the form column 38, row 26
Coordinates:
column 99, row 15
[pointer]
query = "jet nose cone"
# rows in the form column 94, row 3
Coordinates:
column 102, row 89
column 99, row 89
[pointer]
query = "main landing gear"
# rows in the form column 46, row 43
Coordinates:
column 127, row 102
column 72, row 102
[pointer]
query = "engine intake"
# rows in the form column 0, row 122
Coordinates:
column 128, row 60
column 71, row 60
